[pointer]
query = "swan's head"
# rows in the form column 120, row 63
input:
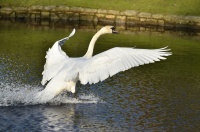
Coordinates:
column 108, row 29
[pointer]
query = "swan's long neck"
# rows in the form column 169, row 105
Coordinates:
column 89, row 52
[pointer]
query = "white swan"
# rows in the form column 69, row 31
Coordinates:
column 63, row 72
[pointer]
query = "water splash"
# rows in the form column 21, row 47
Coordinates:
column 19, row 83
column 21, row 95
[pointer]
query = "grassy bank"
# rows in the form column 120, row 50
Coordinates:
column 178, row 7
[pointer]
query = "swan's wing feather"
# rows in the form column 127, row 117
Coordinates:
column 55, row 59
column 112, row 61
column 62, row 41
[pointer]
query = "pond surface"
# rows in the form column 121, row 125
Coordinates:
column 158, row 97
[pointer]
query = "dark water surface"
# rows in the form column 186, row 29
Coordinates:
column 158, row 97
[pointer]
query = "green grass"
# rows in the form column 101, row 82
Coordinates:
column 179, row 7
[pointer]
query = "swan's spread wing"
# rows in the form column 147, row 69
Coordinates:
column 55, row 59
column 112, row 61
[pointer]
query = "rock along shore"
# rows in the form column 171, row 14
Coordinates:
column 128, row 17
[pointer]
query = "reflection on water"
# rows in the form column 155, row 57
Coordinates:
column 159, row 97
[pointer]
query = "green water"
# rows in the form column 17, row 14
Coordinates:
column 158, row 97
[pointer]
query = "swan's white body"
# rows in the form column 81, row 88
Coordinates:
column 63, row 72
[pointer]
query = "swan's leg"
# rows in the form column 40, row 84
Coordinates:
column 72, row 85
column 73, row 89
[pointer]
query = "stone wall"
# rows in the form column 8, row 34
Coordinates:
column 128, row 17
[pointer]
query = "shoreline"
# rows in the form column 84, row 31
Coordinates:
column 128, row 17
